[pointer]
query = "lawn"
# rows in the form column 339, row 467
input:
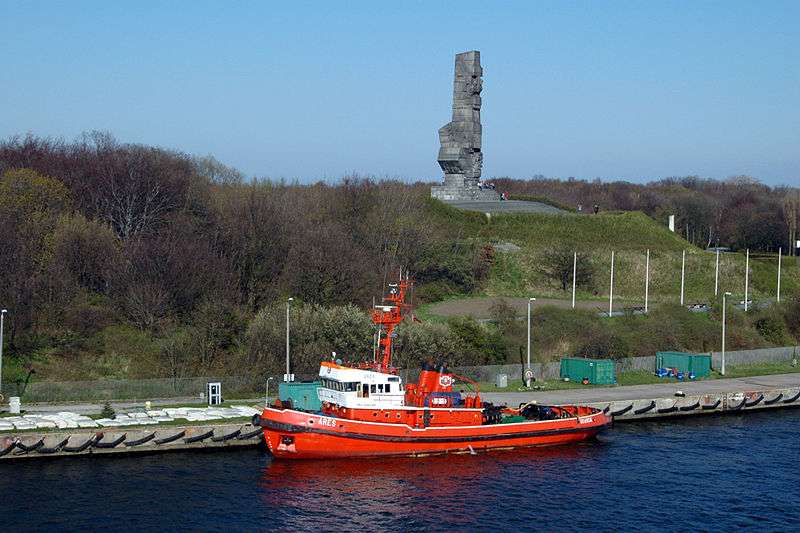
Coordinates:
column 644, row 377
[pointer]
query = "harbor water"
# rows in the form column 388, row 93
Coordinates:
column 708, row 473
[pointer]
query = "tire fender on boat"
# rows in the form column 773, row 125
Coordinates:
column 645, row 409
column 199, row 438
column 55, row 448
column 755, row 402
column 76, row 449
column 173, row 438
column 709, row 407
column 793, row 398
column 254, row 433
column 776, row 399
column 620, row 412
column 137, row 442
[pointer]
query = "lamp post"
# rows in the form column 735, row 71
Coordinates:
column 746, row 280
column 288, row 304
column 647, row 283
column 683, row 275
column 530, row 301
column 574, row 276
column 724, row 303
column 266, row 396
column 611, row 288
column 2, row 316
column 780, row 253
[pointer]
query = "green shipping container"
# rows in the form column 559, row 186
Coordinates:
column 303, row 394
column 597, row 371
column 700, row 364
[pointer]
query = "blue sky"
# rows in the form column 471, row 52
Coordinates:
column 630, row 90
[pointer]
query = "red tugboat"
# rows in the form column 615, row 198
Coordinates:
column 367, row 412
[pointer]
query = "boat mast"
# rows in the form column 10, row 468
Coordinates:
column 386, row 316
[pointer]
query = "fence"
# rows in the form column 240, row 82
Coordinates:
column 253, row 386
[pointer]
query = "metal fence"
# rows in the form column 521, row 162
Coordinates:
column 254, row 386
column 133, row 389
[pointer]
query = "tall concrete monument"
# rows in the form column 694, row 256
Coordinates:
column 460, row 153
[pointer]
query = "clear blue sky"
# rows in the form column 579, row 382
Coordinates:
column 631, row 90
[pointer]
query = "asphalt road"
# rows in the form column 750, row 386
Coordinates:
column 570, row 396
column 638, row 392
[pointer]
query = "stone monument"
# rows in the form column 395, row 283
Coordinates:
column 460, row 153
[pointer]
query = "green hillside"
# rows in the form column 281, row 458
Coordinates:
column 629, row 235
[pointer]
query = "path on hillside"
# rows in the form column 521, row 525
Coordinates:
column 507, row 206
column 637, row 392
column 480, row 307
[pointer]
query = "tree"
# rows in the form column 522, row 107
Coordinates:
column 557, row 265
column 791, row 213
column 30, row 207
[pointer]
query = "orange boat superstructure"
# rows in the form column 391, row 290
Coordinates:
column 368, row 412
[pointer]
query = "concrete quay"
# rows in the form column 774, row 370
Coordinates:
column 647, row 402
column 129, row 440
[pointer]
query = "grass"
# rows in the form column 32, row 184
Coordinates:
column 645, row 377
column 629, row 234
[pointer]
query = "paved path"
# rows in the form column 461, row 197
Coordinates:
column 638, row 392
column 480, row 307
column 506, row 206
column 89, row 408
column 569, row 396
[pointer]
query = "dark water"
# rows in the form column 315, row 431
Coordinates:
column 719, row 474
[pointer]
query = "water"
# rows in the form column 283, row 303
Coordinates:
column 720, row 473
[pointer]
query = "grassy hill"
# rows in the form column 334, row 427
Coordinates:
column 629, row 235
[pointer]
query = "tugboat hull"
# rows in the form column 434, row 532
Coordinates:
column 299, row 435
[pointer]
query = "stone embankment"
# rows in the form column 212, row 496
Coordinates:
column 647, row 402
column 66, row 433
column 30, row 445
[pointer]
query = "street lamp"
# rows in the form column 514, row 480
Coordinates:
column 287, row 378
column 266, row 397
column 2, row 316
column 528, row 372
column 724, row 301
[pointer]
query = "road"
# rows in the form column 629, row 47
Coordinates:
column 569, row 396
column 638, row 392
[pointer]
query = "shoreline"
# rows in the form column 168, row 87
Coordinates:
column 626, row 404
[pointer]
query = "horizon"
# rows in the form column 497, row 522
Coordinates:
column 617, row 91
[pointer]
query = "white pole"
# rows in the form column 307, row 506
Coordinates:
column 288, row 304
column 2, row 315
column 266, row 398
column 611, row 291
column 716, row 277
column 746, row 279
column 647, row 282
column 780, row 253
column 724, row 301
column 574, row 276
column 529, row 330
column 683, row 275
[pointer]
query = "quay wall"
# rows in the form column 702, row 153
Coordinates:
column 32, row 444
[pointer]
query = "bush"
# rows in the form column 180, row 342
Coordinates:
column 315, row 332
column 108, row 411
